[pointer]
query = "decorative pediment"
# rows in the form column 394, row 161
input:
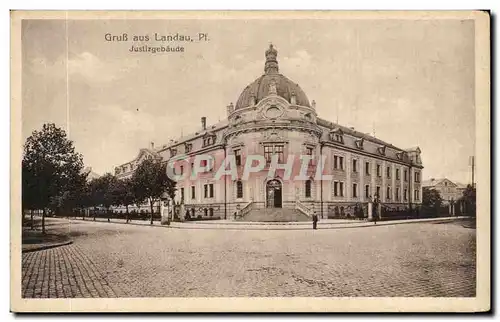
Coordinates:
column 273, row 136
column 359, row 143
column 381, row 150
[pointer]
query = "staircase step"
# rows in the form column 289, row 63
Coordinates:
column 275, row 215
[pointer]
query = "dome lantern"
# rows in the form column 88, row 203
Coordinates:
column 271, row 66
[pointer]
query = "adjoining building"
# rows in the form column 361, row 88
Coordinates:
column 450, row 191
column 274, row 118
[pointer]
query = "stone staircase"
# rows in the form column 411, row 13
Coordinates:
column 274, row 215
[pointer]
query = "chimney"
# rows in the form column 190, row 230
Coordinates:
column 203, row 123
column 152, row 145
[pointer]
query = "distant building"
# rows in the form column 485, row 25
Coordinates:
column 449, row 190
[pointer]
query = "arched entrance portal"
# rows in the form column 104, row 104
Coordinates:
column 274, row 194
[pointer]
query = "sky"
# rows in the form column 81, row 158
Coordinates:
column 409, row 82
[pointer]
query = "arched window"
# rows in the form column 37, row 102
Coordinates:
column 211, row 211
column 239, row 189
column 308, row 189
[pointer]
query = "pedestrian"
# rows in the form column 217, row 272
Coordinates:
column 375, row 213
column 315, row 220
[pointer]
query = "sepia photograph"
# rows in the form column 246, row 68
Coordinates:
column 250, row 161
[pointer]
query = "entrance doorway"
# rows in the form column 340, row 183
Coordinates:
column 274, row 194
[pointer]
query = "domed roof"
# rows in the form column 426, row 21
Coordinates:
column 270, row 81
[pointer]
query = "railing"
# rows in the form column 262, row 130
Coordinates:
column 244, row 211
column 303, row 208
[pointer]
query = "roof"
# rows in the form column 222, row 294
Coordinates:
column 261, row 86
column 432, row 182
column 186, row 138
column 350, row 131
column 272, row 80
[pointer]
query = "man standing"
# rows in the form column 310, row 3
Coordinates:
column 315, row 220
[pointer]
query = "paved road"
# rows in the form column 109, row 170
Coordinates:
column 116, row 260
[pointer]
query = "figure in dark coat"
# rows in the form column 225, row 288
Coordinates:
column 315, row 220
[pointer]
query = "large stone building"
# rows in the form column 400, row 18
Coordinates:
column 274, row 118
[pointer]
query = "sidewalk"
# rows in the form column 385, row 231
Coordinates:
column 33, row 240
column 240, row 225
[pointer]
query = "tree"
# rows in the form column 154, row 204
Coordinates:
column 151, row 182
column 469, row 200
column 50, row 167
column 101, row 191
column 431, row 201
column 123, row 194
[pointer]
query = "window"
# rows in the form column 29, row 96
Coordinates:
column 335, row 188
column 417, row 194
column 388, row 172
column 354, row 190
column 338, row 162
column 270, row 150
column 354, row 165
column 209, row 140
column 239, row 189
column 417, row 176
column 341, row 189
column 406, row 175
column 182, row 169
column 237, row 156
column 278, row 149
column 188, row 147
column 208, row 190
column 367, row 191
column 378, row 171
column 397, row 194
column 367, row 168
column 378, row 192
column 308, row 189
column 388, row 194
column 309, row 151
column 182, row 194
column 193, row 192
column 405, row 195
column 397, row 174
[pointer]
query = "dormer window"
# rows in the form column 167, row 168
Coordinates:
column 381, row 150
column 359, row 143
column 337, row 135
column 117, row 170
column 209, row 140
column 188, row 147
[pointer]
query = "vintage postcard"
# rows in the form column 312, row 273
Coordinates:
column 250, row 161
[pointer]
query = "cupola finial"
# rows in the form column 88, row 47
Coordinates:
column 271, row 66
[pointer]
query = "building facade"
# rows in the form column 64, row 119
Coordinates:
column 450, row 191
column 274, row 119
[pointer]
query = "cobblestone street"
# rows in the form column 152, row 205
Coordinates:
column 117, row 260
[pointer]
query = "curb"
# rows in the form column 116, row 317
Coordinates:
column 283, row 227
column 47, row 247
